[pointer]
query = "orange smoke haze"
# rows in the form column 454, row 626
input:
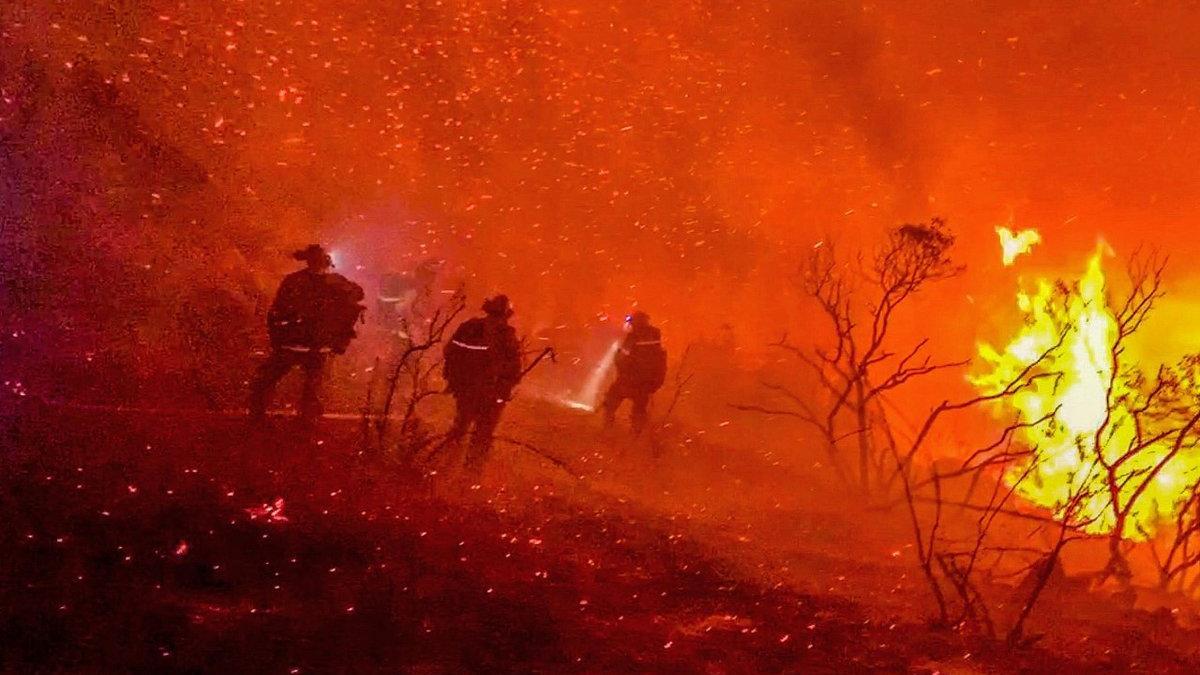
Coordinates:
column 587, row 156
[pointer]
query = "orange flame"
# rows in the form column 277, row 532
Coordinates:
column 1016, row 244
column 1091, row 406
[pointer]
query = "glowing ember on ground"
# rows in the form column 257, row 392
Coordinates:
column 272, row 513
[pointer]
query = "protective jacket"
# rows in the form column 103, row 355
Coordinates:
column 642, row 361
column 483, row 358
column 314, row 312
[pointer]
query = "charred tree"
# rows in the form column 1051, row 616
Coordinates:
column 861, row 366
column 951, row 566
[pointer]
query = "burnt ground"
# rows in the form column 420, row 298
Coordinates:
column 136, row 543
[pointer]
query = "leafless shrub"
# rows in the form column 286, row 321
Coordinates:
column 861, row 366
column 1149, row 421
column 957, row 566
column 1148, row 424
column 412, row 370
column 684, row 374
column 1178, row 560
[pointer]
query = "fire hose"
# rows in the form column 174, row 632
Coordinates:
column 548, row 352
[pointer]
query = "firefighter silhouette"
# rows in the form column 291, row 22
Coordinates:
column 641, row 369
column 400, row 291
column 313, row 316
column 482, row 366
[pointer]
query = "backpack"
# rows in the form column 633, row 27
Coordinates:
column 645, row 365
column 659, row 370
column 477, row 360
column 345, row 310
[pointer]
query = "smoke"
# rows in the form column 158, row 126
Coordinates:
column 584, row 158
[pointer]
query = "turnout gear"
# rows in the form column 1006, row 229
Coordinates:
column 482, row 365
column 400, row 291
column 276, row 367
column 313, row 315
column 641, row 366
column 315, row 311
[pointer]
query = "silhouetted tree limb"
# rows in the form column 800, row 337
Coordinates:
column 860, row 365
column 424, row 328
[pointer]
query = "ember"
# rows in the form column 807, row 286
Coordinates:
column 563, row 336
column 272, row 513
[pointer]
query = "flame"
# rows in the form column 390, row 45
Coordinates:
column 1018, row 243
column 1091, row 407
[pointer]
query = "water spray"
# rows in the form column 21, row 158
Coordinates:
column 589, row 396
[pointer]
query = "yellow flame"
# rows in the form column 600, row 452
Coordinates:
column 1087, row 415
column 1015, row 244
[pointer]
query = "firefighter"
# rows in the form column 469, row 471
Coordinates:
column 482, row 366
column 313, row 316
column 641, row 368
column 400, row 293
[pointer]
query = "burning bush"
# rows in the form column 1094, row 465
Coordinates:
column 1125, row 437
column 1091, row 446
